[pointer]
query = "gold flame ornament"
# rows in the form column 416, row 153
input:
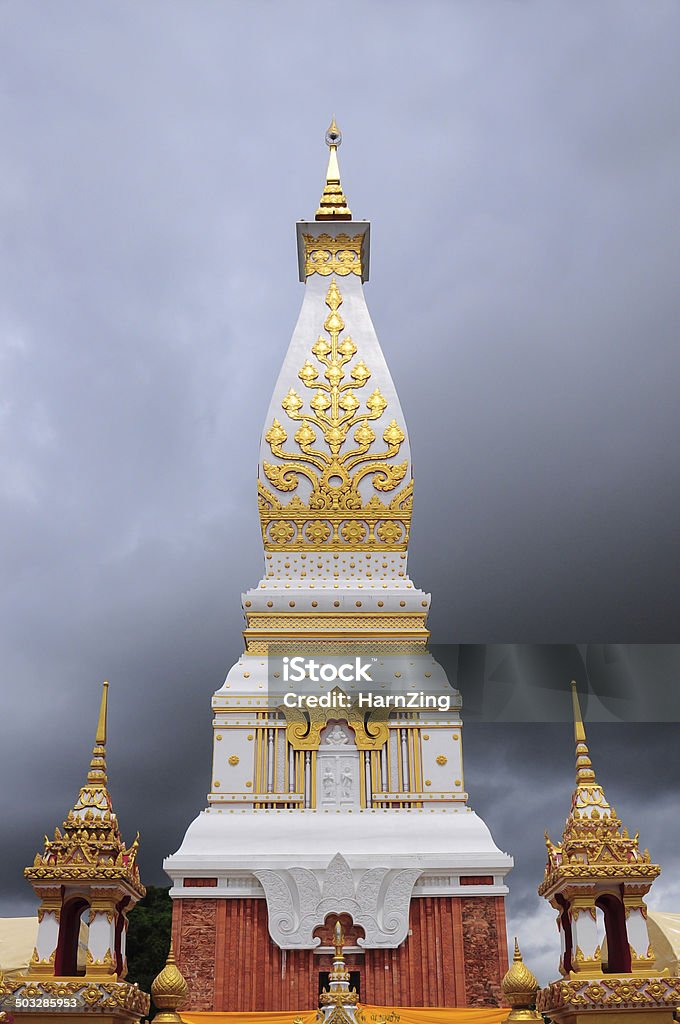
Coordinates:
column 519, row 988
column 169, row 989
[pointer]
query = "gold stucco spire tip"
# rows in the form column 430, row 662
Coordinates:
column 97, row 772
column 584, row 766
column 579, row 729
column 169, row 989
column 519, row 989
column 101, row 725
column 333, row 204
column 338, row 938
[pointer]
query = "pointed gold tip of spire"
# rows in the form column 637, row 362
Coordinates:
column 101, row 725
column 169, row 989
column 97, row 772
column 333, row 204
column 338, row 938
column 579, row 729
column 585, row 776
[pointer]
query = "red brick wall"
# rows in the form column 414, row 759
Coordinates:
column 456, row 955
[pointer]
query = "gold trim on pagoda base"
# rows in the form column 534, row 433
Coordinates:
column 611, row 998
column 397, row 644
column 310, row 622
column 353, row 640
column 108, row 1000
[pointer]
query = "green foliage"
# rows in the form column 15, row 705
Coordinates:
column 148, row 938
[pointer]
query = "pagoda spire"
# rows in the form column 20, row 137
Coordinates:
column 598, row 869
column 333, row 204
column 97, row 773
column 585, row 774
column 588, row 793
column 94, row 795
column 85, row 873
column 339, row 1003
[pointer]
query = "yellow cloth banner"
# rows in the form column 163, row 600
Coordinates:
column 372, row 1014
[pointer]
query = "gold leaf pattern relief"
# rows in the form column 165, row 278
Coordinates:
column 337, row 449
column 326, row 255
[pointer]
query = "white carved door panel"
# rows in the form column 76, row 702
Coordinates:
column 337, row 769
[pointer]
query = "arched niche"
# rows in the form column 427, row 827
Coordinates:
column 72, row 917
column 618, row 950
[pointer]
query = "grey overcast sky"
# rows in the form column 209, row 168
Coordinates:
column 520, row 164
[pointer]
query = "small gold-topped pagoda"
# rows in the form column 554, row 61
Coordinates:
column 597, row 871
column 87, row 881
column 339, row 1003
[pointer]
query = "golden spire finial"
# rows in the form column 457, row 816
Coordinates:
column 333, row 204
column 97, row 772
column 519, row 988
column 169, row 989
column 338, row 938
column 584, row 766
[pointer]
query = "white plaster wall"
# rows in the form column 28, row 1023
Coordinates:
column 101, row 935
column 585, row 934
column 638, row 935
column 48, row 934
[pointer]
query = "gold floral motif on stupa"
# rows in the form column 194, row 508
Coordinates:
column 335, row 515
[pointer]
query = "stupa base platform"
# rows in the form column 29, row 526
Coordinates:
column 75, row 1000
column 455, row 955
column 371, row 1014
column 620, row 998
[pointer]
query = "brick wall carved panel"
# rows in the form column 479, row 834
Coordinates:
column 455, row 954
column 481, row 945
column 196, row 954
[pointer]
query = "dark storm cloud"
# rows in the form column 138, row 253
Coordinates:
column 520, row 165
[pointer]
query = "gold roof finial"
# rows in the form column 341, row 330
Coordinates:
column 338, row 938
column 585, row 776
column 519, row 988
column 169, row 989
column 333, row 204
column 97, row 772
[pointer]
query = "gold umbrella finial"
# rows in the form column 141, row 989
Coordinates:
column 333, row 204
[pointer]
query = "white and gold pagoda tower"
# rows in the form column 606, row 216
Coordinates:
column 597, row 874
column 87, row 881
column 340, row 814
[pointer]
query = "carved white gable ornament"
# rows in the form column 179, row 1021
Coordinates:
column 299, row 901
